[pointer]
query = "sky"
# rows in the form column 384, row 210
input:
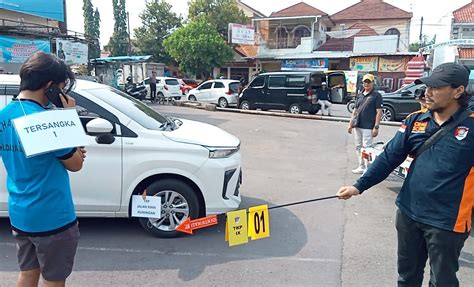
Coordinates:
column 436, row 13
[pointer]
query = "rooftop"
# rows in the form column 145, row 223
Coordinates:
column 465, row 14
column 299, row 9
column 371, row 10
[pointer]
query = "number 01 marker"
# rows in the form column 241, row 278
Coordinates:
column 258, row 222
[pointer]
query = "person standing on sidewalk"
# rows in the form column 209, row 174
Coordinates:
column 40, row 205
column 436, row 200
column 365, row 119
column 323, row 95
column 153, row 87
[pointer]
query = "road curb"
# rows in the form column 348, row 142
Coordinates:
column 212, row 107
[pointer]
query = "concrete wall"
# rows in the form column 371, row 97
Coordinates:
column 381, row 26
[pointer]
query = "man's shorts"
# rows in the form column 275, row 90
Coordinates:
column 53, row 254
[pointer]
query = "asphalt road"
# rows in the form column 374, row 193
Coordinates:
column 326, row 243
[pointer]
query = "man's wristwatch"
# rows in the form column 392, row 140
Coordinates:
column 376, row 127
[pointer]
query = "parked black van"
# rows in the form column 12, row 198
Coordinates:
column 292, row 91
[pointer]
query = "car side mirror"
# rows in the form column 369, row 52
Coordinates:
column 406, row 93
column 99, row 126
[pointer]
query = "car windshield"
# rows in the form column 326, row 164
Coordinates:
column 136, row 110
column 234, row 87
column 406, row 87
column 172, row 82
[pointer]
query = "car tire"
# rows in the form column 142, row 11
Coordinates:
column 295, row 109
column 172, row 192
column 245, row 105
column 388, row 114
column 314, row 109
column 350, row 106
column 222, row 102
column 192, row 98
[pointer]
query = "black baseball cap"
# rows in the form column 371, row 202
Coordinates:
column 445, row 75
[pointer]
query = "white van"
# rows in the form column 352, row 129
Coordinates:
column 194, row 167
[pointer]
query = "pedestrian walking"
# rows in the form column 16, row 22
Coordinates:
column 365, row 119
column 40, row 205
column 153, row 87
column 323, row 95
column 436, row 200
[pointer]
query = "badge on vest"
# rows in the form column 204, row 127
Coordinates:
column 461, row 133
column 419, row 127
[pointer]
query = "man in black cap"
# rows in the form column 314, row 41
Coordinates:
column 436, row 200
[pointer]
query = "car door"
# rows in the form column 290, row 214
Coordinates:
column 337, row 83
column 276, row 96
column 217, row 91
column 255, row 92
column 97, row 187
column 204, row 92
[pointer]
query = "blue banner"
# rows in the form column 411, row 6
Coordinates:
column 17, row 50
column 302, row 64
column 53, row 9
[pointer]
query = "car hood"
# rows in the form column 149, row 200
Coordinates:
column 202, row 134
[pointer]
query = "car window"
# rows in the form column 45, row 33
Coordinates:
column 295, row 81
column 146, row 81
column 219, row 85
column 276, row 81
column 136, row 110
column 205, row 86
column 258, row 82
column 172, row 82
column 234, row 87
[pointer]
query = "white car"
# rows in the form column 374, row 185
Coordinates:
column 223, row 93
column 166, row 88
column 194, row 167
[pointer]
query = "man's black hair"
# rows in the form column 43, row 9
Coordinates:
column 41, row 68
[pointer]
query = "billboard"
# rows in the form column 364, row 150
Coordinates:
column 365, row 64
column 242, row 34
column 17, row 50
column 398, row 64
column 304, row 64
column 54, row 9
column 72, row 52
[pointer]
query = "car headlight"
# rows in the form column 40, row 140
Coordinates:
column 218, row 152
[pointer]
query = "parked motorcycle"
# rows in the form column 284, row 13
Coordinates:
column 138, row 91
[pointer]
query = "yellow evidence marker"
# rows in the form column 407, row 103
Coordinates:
column 259, row 222
column 236, row 226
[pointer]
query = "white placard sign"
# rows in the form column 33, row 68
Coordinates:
column 50, row 130
column 242, row 34
column 149, row 207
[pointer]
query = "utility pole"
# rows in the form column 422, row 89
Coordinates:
column 421, row 32
column 129, row 41
column 342, row 36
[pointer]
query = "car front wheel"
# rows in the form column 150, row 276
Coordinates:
column 295, row 109
column 178, row 201
column 192, row 98
column 388, row 114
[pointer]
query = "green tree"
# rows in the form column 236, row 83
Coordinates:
column 118, row 43
column 415, row 47
column 91, row 28
column 219, row 13
column 198, row 48
column 158, row 21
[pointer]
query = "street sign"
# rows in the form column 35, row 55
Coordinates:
column 237, row 227
column 259, row 222
column 188, row 225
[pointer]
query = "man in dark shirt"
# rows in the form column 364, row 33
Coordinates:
column 323, row 95
column 437, row 198
column 365, row 119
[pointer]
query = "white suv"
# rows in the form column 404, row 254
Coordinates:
column 194, row 167
column 166, row 88
column 223, row 93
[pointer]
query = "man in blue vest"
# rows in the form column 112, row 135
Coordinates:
column 437, row 197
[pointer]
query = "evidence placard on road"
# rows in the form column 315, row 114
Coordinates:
column 236, row 227
column 258, row 222
column 146, row 206
column 49, row 131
